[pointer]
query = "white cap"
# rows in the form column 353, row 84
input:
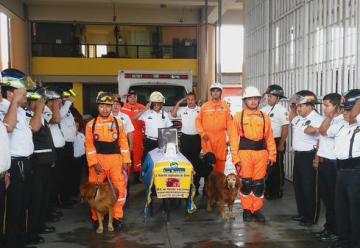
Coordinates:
column 216, row 86
column 156, row 96
column 251, row 91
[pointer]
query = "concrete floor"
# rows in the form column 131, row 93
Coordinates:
column 201, row 229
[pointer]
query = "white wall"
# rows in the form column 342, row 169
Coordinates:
column 104, row 14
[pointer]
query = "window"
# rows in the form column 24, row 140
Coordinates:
column 101, row 50
column 4, row 41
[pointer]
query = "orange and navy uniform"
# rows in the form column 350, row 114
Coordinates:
column 214, row 120
column 138, row 134
column 107, row 146
column 253, row 146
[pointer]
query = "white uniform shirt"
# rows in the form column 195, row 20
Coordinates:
column 67, row 123
column 5, row 160
column 153, row 121
column 56, row 133
column 20, row 139
column 79, row 145
column 301, row 141
column 188, row 117
column 128, row 126
column 279, row 117
column 358, row 118
column 327, row 143
column 343, row 142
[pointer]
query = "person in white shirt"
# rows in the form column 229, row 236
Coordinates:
column 325, row 162
column 305, row 122
column 347, row 195
column 154, row 117
column 190, row 140
column 5, row 162
column 20, row 128
column 68, row 128
column 52, row 116
column 80, row 166
column 279, row 116
column 129, row 127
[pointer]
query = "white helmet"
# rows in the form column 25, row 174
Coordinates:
column 216, row 86
column 251, row 91
column 156, row 96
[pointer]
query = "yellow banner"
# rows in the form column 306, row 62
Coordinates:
column 173, row 179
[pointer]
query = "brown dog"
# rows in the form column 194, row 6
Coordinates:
column 100, row 197
column 222, row 189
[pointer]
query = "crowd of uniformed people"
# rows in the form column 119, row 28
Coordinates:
column 46, row 150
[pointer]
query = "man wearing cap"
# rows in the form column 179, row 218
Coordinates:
column 154, row 117
column 14, row 86
column 305, row 122
column 5, row 161
column 106, row 150
column 68, row 128
column 212, row 124
column 132, row 108
column 279, row 116
column 252, row 148
column 347, row 196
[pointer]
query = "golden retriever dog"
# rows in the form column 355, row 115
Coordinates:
column 223, row 190
column 100, row 197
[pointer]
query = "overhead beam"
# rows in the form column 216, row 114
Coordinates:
column 13, row 7
column 226, row 5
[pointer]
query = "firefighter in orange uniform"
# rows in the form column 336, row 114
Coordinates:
column 253, row 148
column 212, row 123
column 106, row 150
column 132, row 108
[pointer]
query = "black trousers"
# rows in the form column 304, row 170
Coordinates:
column 190, row 147
column 305, row 186
column 67, row 171
column 76, row 174
column 2, row 209
column 40, row 187
column 327, row 183
column 17, row 202
column 56, row 180
column 347, row 206
column 149, row 145
column 275, row 179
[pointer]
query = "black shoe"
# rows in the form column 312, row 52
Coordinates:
column 297, row 218
column 47, row 229
column 321, row 233
column 259, row 217
column 57, row 213
column 35, row 240
column 306, row 223
column 330, row 237
column 95, row 224
column 247, row 216
column 53, row 219
column 118, row 224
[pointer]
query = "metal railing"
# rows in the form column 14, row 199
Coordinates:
column 113, row 51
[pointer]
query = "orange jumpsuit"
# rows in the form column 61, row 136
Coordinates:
column 103, row 147
column 253, row 145
column 138, row 141
column 214, row 120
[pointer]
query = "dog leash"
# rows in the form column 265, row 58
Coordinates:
column 111, row 187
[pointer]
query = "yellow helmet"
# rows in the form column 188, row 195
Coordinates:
column 105, row 98
column 156, row 96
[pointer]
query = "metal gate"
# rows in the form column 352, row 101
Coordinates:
column 302, row 44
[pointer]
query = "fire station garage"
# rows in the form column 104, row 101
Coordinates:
column 209, row 88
